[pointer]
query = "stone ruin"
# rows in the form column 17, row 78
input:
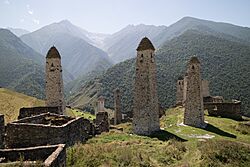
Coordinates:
column 117, row 106
column 100, row 104
column 2, row 130
column 32, row 111
column 102, row 122
column 48, row 156
column 145, row 105
column 194, row 111
column 54, row 81
column 215, row 105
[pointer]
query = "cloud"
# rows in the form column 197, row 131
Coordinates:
column 30, row 11
column 21, row 20
column 7, row 2
column 36, row 21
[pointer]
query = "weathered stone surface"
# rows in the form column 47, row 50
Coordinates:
column 49, row 156
column 2, row 130
column 100, row 104
column 194, row 112
column 54, row 81
column 102, row 122
column 224, row 109
column 205, row 88
column 117, row 106
column 45, row 129
column 179, row 91
column 28, row 112
column 146, row 108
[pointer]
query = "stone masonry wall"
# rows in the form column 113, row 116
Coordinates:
column 117, row 106
column 102, row 122
column 53, row 156
column 2, row 130
column 179, row 91
column 194, row 112
column 226, row 110
column 205, row 88
column 20, row 134
column 28, row 112
column 146, row 107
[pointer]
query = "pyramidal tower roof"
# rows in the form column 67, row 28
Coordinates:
column 53, row 53
column 194, row 60
column 145, row 44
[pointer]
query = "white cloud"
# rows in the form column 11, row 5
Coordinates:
column 36, row 21
column 7, row 2
column 30, row 11
column 21, row 20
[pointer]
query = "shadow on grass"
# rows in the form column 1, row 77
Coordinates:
column 216, row 130
column 165, row 135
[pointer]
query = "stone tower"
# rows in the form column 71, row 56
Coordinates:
column 179, row 91
column 145, row 108
column 205, row 88
column 194, row 112
column 117, row 106
column 100, row 104
column 54, row 80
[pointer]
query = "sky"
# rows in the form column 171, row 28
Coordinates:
column 109, row 16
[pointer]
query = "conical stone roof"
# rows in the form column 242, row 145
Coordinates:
column 145, row 44
column 53, row 53
column 194, row 60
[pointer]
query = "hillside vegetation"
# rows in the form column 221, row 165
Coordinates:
column 220, row 144
column 224, row 63
column 11, row 102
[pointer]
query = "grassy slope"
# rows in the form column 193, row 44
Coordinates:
column 228, row 147
column 11, row 102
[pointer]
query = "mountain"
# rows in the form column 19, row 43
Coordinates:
column 11, row 102
column 121, row 45
column 230, row 31
column 21, row 67
column 18, row 31
column 224, row 63
column 78, row 55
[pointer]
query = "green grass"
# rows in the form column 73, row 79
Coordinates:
column 79, row 113
column 174, row 146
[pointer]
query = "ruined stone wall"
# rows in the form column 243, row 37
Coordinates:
column 205, row 88
column 2, row 130
column 179, row 91
column 102, row 122
column 146, row 108
column 184, row 90
column 54, row 80
column 54, row 156
column 21, row 134
column 28, row 112
column 194, row 112
column 226, row 110
column 117, row 106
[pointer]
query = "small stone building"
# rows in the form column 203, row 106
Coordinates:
column 194, row 111
column 102, row 122
column 32, row 111
column 54, row 81
column 117, row 107
column 145, row 104
column 45, row 129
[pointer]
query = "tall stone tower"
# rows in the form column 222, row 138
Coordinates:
column 146, row 108
column 194, row 112
column 100, row 104
column 179, row 91
column 117, row 106
column 205, row 88
column 54, row 81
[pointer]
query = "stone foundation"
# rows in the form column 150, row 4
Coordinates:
column 227, row 110
column 28, row 112
column 45, row 129
column 49, row 156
